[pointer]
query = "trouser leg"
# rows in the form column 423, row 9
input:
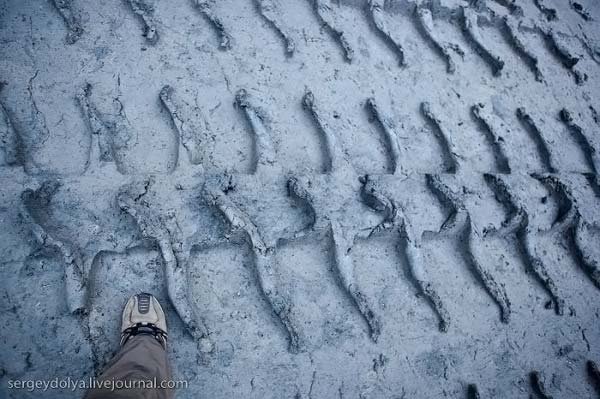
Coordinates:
column 142, row 358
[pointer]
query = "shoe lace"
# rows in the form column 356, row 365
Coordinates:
column 144, row 329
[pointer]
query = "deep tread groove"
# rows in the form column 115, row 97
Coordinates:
column 10, row 145
column 549, row 13
column 35, row 208
column 260, row 124
column 263, row 259
column 570, row 224
column 517, row 225
column 512, row 7
column 144, row 9
column 595, row 115
column 322, row 8
column 297, row 191
column 579, row 9
column 190, row 123
column 538, row 385
column 490, row 125
column 593, row 375
column 113, row 132
column 566, row 57
column 328, row 225
column 586, row 144
column 471, row 29
column 444, row 49
column 35, row 134
column 395, row 219
column 473, row 392
column 342, row 244
column 163, row 229
column 511, row 31
column 269, row 9
column 205, row 8
column 71, row 18
column 538, row 138
column 592, row 49
column 333, row 152
column 390, row 136
column 448, row 149
column 101, row 145
column 459, row 226
column 345, row 273
column 594, row 183
column 376, row 13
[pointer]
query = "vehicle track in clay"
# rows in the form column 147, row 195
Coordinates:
column 405, row 189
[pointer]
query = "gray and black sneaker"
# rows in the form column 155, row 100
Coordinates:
column 144, row 315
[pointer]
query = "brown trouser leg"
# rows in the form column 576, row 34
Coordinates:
column 142, row 358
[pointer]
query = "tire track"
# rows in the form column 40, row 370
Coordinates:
column 548, row 12
column 165, row 232
column 580, row 10
column 205, row 7
column 144, row 9
column 71, row 18
column 36, row 213
column 510, row 28
column 34, row 134
column 512, row 6
column 317, row 193
column 445, row 49
column 375, row 194
column 516, row 227
column 449, row 152
column 11, row 152
column 194, row 133
column 113, row 133
column 264, row 259
column 538, row 385
column 259, row 122
column 390, row 136
column 460, row 227
column 490, row 122
column 324, row 11
column 377, row 16
column 593, row 375
column 473, row 392
column 538, row 137
column 410, row 244
column 473, row 35
column 585, row 141
column 333, row 153
column 269, row 10
column 572, row 226
column 560, row 48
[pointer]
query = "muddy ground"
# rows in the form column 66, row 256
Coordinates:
column 332, row 199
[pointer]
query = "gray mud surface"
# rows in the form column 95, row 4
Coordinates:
column 331, row 198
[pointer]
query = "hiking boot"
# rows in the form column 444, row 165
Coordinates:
column 144, row 315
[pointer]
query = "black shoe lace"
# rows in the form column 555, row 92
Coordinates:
column 144, row 329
